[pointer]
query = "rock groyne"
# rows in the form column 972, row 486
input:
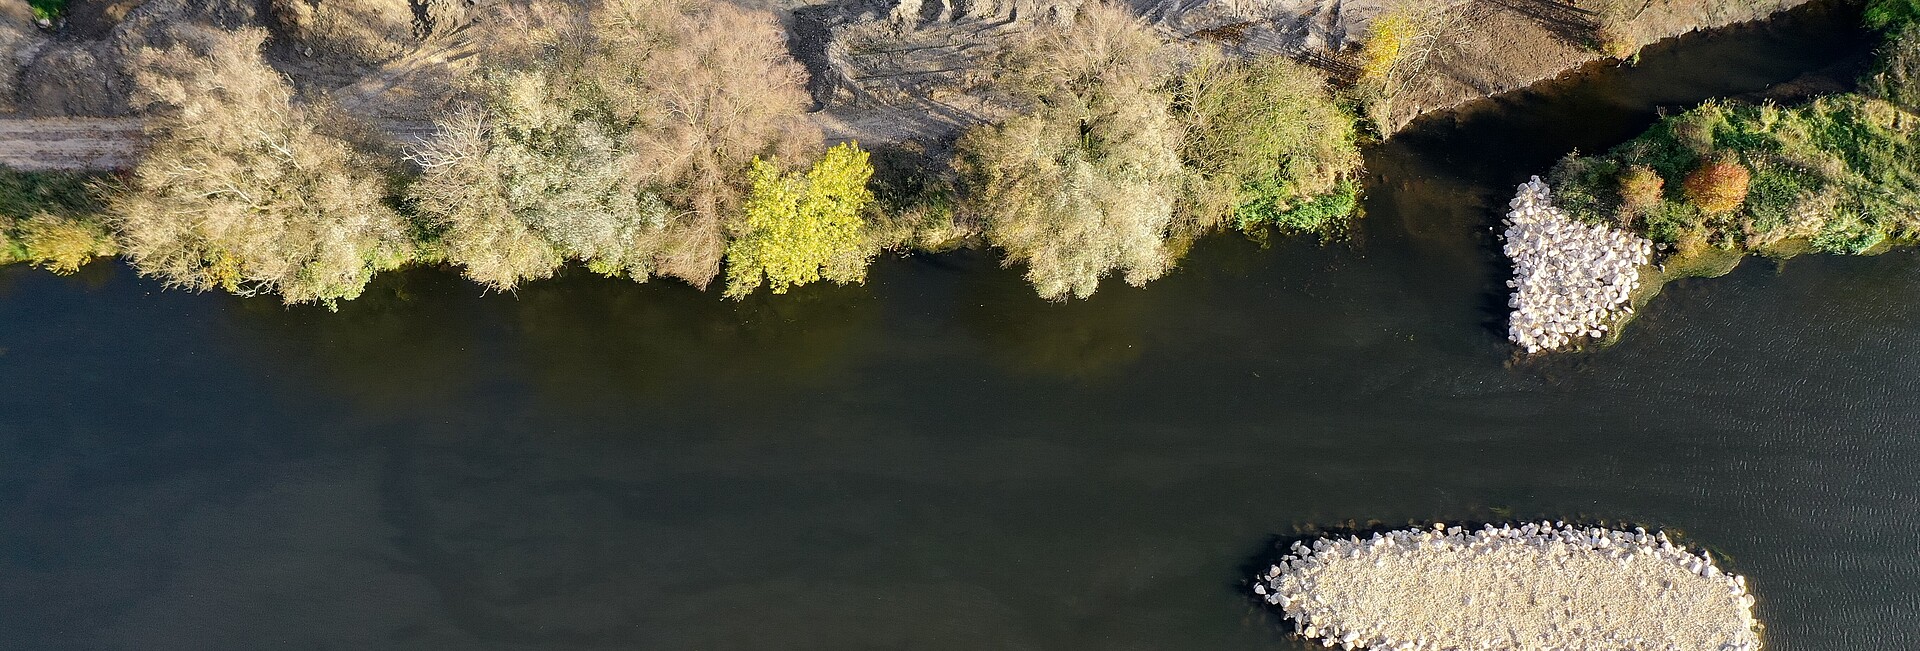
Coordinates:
column 1535, row 587
column 1571, row 281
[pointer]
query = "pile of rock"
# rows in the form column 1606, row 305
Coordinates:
column 1535, row 587
column 1571, row 281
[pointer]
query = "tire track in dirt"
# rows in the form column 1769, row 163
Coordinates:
column 40, row 144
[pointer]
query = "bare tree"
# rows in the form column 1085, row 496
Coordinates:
column 239, row 191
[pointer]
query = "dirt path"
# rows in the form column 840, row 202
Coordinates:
column 69, row 143
column 39, row 144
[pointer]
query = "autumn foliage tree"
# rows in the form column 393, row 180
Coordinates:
column 802, row 227
column 52, row 219
column 1387, row 40
column 622, row 140
column 61, row 245
column 239, row 190
column 1083, row 183
column 1718, row 185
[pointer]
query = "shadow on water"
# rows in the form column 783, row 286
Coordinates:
column 937, row 459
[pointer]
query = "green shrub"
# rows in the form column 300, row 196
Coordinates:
column 1885, row 14
column 1641, row 189
column 1849, row 236
column 1897, row 76
column 1840, row 173
column 800, row 228
column 1263, row 139
column 1584, row 187
column 1324, row 213
column 48, row 10
column 63, row 194
column 915, row 206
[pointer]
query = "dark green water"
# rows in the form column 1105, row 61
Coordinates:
column 938, row 460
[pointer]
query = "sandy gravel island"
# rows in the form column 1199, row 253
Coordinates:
column 1534, row 587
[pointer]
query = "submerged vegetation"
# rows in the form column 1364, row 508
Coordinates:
column 1840, row 174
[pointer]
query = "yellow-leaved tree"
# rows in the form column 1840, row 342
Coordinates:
column 1386, row 43
column 62, row 245
column 803, row 227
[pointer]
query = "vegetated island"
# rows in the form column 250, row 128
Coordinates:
column 1839, row 174
column 1534, row 587
column 285, row 151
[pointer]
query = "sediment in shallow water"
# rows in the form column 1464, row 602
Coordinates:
column 1535, row 587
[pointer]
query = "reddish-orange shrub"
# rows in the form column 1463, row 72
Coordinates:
column 1718, row 186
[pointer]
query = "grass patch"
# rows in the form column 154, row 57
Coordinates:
column 48, row 10
column 1841, row 173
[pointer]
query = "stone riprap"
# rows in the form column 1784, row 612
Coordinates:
column 1571, row 281
column 1535, row 587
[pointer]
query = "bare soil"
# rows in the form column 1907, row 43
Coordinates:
column 69, row 143
column 1515, row 43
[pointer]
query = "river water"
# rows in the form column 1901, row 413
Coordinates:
column 938, row 460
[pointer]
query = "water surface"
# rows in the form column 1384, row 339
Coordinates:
column 937, row 459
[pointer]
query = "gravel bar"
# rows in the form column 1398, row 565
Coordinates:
column 1534, row 587
column 1571, row 281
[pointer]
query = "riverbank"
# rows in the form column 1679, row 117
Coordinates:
column 1511, row 588
column 925, row 202
column 1509, row 46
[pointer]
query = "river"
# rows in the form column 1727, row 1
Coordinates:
column 939, row 460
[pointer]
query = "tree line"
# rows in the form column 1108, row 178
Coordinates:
column 669, row 138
